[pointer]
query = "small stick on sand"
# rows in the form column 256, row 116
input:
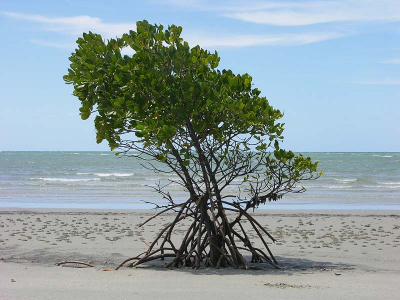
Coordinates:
column 74, row 262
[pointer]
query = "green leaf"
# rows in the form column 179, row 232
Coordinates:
column 85, row 115
column 139, row 134
column 165, row 128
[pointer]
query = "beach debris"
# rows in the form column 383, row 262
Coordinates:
column 13, row 280
column 74, row 262
column 282, row 285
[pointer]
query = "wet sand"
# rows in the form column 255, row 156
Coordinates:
column 334, row 254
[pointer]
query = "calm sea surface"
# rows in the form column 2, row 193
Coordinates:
column 101, row 180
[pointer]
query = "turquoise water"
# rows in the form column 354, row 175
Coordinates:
column 101, row 180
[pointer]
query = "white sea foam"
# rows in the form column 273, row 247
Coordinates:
column 383, row 186
column 152, row 179
column 346, row 180
column 336, row 186
column 382, row 155
column 107, row 174
column 328, row 186
column 64, row 179
column 114, row 174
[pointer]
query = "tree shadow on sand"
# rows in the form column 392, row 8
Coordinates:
column 289, row 266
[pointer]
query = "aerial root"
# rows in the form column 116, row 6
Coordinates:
column 206, row 242
column 209, row 241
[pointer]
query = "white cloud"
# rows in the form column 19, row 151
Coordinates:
column 71, row 46
column 76, row 25
column 386, row 81
column 299, row 13
column 314, row 12
column 392, row 61
column 206, row 40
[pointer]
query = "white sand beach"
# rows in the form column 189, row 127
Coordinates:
column 322, row 254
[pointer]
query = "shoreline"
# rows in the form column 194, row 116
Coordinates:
column 259, row 211
column 142, row 207
column 330, row 254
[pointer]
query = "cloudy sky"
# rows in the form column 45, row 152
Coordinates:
column 333, row 67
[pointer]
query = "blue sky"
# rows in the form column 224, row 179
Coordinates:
column 333, row 67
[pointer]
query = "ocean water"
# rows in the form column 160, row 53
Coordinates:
column 101, row 180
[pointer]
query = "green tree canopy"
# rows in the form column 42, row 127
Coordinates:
column 209, row 126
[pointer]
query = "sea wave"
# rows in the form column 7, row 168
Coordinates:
column 346, row 180
column 383, row 186
column 382, row 155
column 328, row 186
column 64, row 179
column 108, row 174
column 162, row 179
column 114, row 174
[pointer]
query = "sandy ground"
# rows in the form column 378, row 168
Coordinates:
column 331, row 254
